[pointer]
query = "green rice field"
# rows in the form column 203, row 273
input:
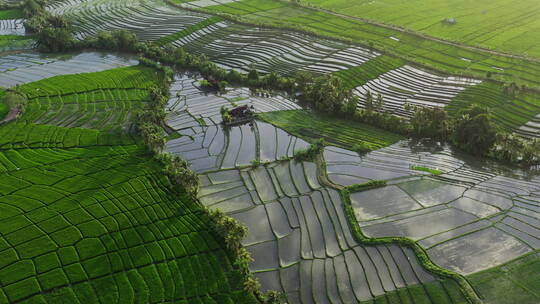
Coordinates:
column 502, row 25
column 506, row 283
column 11, row 14
column 102, row 100
column 86, row 215
column 286, row 203
column 433, row 54
column 4, row 109
column 335, row 131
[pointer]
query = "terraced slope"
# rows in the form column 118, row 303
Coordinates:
column 413, row 86
column 301, row 242
column 439, row 56
column 510, row 111
column 239, row 47
column 11, row 27
column 22, row 68
column 469, row 219
column 87, row 216
column 207, row 146
column 299, row 234
column 104, row 100
column 150, row 20
column 335, row 131
column 505, row 283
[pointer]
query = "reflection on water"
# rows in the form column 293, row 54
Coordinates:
column 27, row 67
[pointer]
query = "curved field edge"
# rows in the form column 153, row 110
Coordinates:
column 422, row 256
column 420, row 253
column 336, row 131
column 428, row 54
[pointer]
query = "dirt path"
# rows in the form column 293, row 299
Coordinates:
column 424, row 36
column 12, row 115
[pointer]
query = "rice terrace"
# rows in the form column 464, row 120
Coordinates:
column 270, row 151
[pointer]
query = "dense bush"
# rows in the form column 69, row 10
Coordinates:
column 118, row 40
column 52, row 33
column 33, row 7
column 430, row 123
column 329, row 94
column 474, row 131
column 514, row 149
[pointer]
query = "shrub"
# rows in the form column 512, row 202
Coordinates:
column 362, row 147
column 311, row 152
column 225, row 114
column 425, row 169
column 366, row 186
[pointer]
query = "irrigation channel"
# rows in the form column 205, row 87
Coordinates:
column 472, row 217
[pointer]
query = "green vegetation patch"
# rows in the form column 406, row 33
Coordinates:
column 367, row 186
column 88, row 216
column 11, row 14
column 104, row 100
column 116, row 209
column 514, row 282
column 4, row 108
column 175, row 36
column 122, row 78
column 373, row 68
column 425, row 169
column 510, row 111
column 444, row 291
column 14, row 42
column 335, row 131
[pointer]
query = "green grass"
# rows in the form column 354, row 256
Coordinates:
column 373, row 68
column 11, row 14
column 478, row 22
column 175, row 36
column 14, row 42
column 514, row 282
column 4, row 108
column 509, row 112
column 433, row 54
column 441, row 292
column 339, row 132
column 428, row 170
